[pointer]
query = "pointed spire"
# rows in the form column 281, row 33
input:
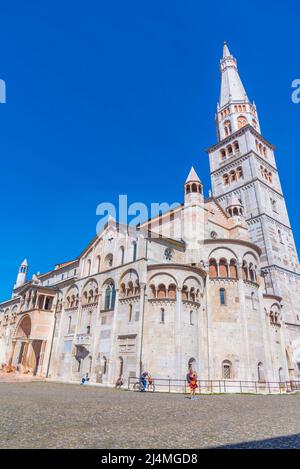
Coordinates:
column 226, row 52
column 232, row 89
column 193, row 176
column 24, row 263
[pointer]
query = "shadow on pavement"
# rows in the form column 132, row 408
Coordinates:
column 280, row 442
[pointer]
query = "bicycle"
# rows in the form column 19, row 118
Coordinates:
column 138, row 386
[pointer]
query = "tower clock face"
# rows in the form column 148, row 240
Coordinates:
column 242, row 121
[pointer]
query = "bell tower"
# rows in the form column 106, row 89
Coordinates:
column 243, row 168
column 22, row 273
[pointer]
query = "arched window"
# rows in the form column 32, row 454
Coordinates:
column 233, row 269
column 232, row 175
column 223, row 268
column 280, row 236
column 222, row 296
column 225, row 179
column 109, row 260
column 98, row 264
column 104, row 365
column 227, row 128
column 162, row 315
column 161, row 293
column 130, row 289
column 239, row 172
column 226, row 369
column 130, row 312
column 172, row 292
column 223, row 155
column 110, row 297
column 260, row 372
column 184, row 293
column 280, row 375
column 88, row 329
column 229, row 149
column 213, row 269
column 88, row 267
column 192, row 364
column 153, row 291
column 134, row 251
column 236, row 146
column 122, row 253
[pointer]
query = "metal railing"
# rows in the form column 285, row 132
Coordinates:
column 220, row 386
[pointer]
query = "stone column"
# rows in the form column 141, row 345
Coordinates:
column 96, row 337
column 207, row 314
column 11, row 355
column 113, row 343
column 245, row 351
column 139, row 342
column 178, row 339
column 264, row 321
column 41, row 359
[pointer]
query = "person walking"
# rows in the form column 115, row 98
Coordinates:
column 119, row 382
column 192, row 380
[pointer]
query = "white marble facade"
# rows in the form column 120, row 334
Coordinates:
column 214, row 282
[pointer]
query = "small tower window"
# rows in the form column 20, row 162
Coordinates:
column 130, row 312
column 162, row 315
column 134, row 251
column 227, row 128
column 226, row 369
column 260, row 372
column 222, row 296
column 191, row 318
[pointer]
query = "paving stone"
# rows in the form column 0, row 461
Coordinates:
column 56, row 415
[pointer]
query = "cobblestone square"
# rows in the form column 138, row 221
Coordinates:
column 55, row 415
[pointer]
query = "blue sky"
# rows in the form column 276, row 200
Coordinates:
column 108, row 98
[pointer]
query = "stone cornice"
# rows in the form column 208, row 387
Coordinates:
column 16, row 300
column 236, row 159
column 281, row 269
column 222, row 241
column 272, row 297
column 236, row 134
column 252, row 219
column 249, row 183
column 191, row 268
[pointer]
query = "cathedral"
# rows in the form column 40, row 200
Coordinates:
column 213, row 283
